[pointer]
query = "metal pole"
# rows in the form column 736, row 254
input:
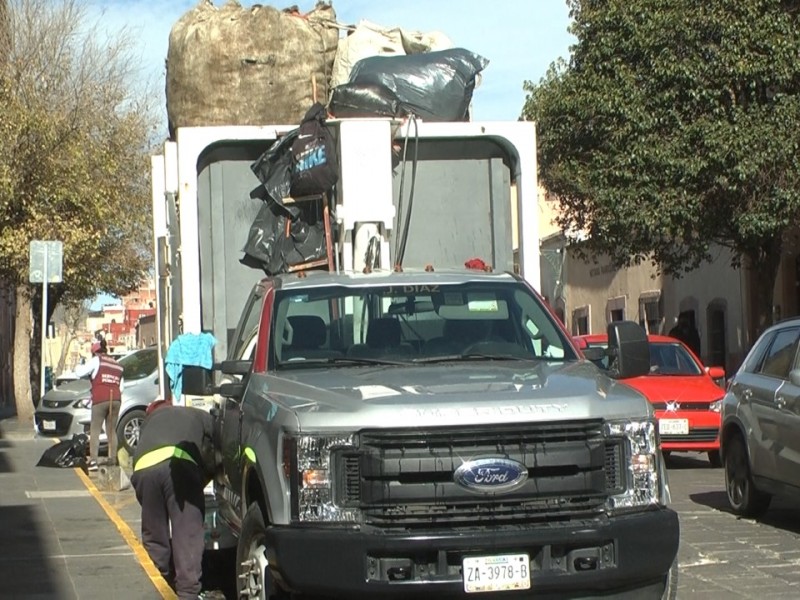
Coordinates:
column 44, row 322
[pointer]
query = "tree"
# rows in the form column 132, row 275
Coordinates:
column 674, row 127
column 73, row 320
column 74, row 146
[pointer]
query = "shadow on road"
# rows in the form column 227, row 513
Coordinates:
column 781, row 514
column 688, row 460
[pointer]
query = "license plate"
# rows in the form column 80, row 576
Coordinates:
column 496, row 573
column 673, row 426
column 49, row 425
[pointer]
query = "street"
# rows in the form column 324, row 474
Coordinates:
column 723, row 556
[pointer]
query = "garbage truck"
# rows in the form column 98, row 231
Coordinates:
column 402, row 414
column 398, row 411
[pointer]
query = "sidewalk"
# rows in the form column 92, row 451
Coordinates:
column 60, row 541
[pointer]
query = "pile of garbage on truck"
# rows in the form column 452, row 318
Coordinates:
column 259, row 65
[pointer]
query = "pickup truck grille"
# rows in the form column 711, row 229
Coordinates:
column 404, row 478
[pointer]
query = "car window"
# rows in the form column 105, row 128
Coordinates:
column 672, row 359
column 139, row 364
column 248, row 323
column 781, row 354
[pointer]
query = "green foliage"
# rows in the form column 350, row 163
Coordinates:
column 673, row 125
column 73, row 149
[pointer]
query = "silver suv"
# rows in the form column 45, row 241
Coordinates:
column 761, row 422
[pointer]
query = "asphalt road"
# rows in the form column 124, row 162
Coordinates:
column 726, row 557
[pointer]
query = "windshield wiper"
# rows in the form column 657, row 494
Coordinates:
column 473, row 356
column 338, row 360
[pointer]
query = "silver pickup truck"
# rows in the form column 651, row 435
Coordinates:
column 436, row 433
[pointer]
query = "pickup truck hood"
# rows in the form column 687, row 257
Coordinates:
column 450, row 393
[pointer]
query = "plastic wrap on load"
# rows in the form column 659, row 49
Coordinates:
column 436, row 86
column 254, row 65
column 269, row 248
column 353, row 100
column 274, row 169
column 370, row 39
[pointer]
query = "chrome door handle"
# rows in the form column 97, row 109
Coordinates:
column 747, row 393
column 780, row 401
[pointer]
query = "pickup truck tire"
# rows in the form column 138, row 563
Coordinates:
column 129, row 428
column 743, row 497
column 671, row 591
column 253, row 579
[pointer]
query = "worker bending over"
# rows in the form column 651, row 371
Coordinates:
column 173, row 462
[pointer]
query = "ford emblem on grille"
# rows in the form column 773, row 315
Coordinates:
column 491, row 475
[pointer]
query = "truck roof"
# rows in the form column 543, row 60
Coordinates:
column 306, row 279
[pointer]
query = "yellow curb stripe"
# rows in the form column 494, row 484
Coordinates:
column 130, row 538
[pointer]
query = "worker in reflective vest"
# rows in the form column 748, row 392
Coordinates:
column 173, row 462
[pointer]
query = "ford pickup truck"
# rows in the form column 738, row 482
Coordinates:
column 399, row 434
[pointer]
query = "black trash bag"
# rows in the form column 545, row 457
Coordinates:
column 364, row 100
column 269, row 248
column 66, row 454
column 436, row 86
column 266, row 243
column 306, row 237
column 315, row 164
column 274, row 169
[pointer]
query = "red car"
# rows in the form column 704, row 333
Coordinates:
column 684, row 393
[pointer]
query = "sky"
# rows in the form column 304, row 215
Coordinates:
column 520, row 38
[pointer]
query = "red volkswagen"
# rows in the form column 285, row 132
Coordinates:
column 685, row 394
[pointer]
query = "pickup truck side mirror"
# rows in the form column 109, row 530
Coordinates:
column 197, row 381
column 629, row 350
column 236, row 367
column 231, row 390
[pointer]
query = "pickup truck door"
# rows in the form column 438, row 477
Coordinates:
column 230, row 422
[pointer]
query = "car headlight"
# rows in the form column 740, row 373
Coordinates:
column 640, row 450
column 715, row 406
column 83, row 403
column 308, row 465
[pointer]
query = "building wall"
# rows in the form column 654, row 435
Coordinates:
column 591, row 294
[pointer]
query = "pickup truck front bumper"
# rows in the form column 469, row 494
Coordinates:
column 625, row 556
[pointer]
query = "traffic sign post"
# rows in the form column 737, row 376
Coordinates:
column 45, row 268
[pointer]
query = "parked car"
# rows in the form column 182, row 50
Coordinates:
column 683, row 391
column 66, row 409
column 761, row 422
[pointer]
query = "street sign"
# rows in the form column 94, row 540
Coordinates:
column 45, row 261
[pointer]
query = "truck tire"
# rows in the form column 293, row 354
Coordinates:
column 129, row 428
column 671, row 590
column 253, row 578
column 743, row 497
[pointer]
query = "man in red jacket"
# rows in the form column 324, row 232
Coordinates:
column 106, row 376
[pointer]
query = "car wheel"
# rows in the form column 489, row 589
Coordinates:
column 714, row 459
column 129, row 428
column 253, row 578
column 743, row 497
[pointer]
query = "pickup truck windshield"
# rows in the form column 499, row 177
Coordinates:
column 346, row 326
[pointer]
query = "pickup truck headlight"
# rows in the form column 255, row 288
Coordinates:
column 316, row 501
column 644, row 483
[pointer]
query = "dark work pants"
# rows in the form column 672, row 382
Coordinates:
column 171, row 492
column 104, row 412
